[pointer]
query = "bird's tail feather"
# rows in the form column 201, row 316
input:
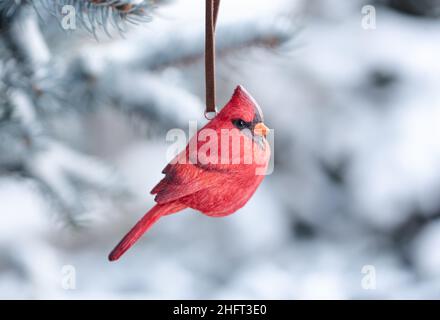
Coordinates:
column 142, row 226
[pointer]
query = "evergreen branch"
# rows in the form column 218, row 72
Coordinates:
column 151, row 97
column 91, row 14
column 25, row 40
column 162, row 45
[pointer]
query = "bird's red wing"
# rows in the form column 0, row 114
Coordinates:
column 181, row 180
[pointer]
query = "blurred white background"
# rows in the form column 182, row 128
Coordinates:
column 356, row 114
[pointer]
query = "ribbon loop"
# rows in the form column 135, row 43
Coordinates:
column 212, row 7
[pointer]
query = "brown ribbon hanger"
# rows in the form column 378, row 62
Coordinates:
column 212, row 7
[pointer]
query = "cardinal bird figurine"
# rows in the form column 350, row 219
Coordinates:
column 205, row 181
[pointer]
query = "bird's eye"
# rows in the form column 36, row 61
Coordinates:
column 239, row 123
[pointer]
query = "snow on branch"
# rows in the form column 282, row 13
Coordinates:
column 162, row 45
column 152, row 97
column 25, row 40
column 91, row 14
column 62, row 173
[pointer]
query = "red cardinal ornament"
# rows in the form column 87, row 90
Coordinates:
column 215, row 182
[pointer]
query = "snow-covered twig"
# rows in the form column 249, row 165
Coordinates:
column 173, row 44
column 25, row 39
column 152, row 97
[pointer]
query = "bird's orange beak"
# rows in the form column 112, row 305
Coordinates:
column 261, row 130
